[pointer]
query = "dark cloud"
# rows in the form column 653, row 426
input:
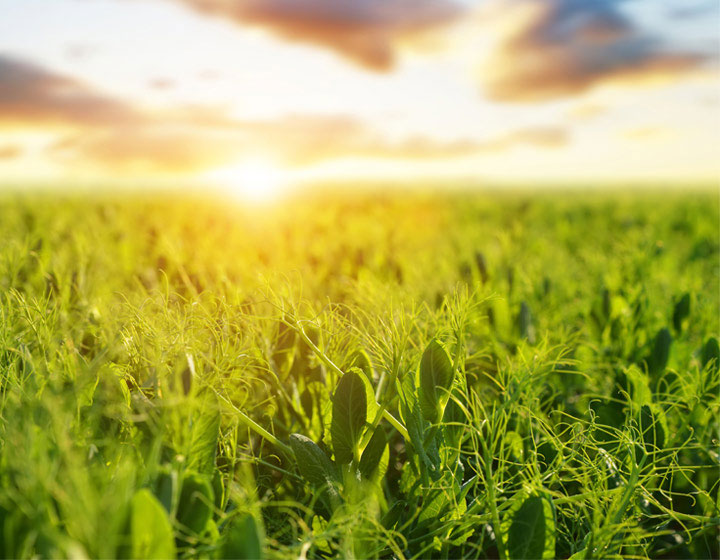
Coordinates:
column 566, row 47
column 365, row 31
column 30, row 94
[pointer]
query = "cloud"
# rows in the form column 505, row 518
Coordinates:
column 689, row 10
column 145, row 149
column 30, row 94
column 208, row 142
column 10, row 152
column 107, row 134
column 367, row 32
column 561, row 48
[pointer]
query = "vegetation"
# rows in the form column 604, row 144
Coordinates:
column 406, row 376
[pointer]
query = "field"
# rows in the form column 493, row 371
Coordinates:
column 413, row 375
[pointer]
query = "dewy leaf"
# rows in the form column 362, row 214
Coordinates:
column 150, row 529
column 312, row 461
column 532, row 530
column 373, row 453
column 243, row 539
column 348, row 417
column 436, row 378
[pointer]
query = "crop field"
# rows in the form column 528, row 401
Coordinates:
column 360, row 375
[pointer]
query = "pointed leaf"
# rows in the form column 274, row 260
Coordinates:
column 660, row 352
column 525, row 323
column 348, row 417
column 204, row 431
column 315, row 466
column 711, row 353
column 196, row 502
column 150, row 529
column 436, row 378
column 532, row 530
column 243, row 539
column 681, row 311
column 373, row 453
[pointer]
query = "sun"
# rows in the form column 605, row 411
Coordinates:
column 252, row 180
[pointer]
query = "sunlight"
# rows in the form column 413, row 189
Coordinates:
column 252, row 180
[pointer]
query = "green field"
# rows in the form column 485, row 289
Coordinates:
column 362, row 375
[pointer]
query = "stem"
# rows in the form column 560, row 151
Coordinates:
column 491, row 498
column 257, row 428
column 396, row 424
column 319, row 353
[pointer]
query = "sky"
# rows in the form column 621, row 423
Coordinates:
column 260, row 93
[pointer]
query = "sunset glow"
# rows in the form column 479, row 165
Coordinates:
column 252, row 180
column 474, row 90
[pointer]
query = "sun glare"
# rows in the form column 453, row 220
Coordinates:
column 256, row 180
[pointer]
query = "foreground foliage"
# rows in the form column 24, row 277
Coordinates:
column 361, row 376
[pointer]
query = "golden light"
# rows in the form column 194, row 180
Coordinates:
column 252, row 180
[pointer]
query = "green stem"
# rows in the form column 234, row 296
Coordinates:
column 490, row 482
column 396, row 424
column 257, row 428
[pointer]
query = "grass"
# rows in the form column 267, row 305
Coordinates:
column 366, row 375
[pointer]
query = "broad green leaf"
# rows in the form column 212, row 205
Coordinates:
column 218, row 490
column 453, row 421
column 315, row 466
column 499, row 317
column 284, row 349
column 481, row 265
column 439, row 499
column 348, row 417
column 412, row 417
column 531, row 533
column 514, row 447
column 681, row 311
column 165, row 488
column 195, row 506
column 243, row 538
column 660, row 352
column 373, row 453
column 150, row 530
column 639, row 385
column 204, row 431
column 372, row 405
column 436, row 378
column 525, row 324
column 546, row 454
column 609, row 416
column 711, row 353
column 362, row 361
